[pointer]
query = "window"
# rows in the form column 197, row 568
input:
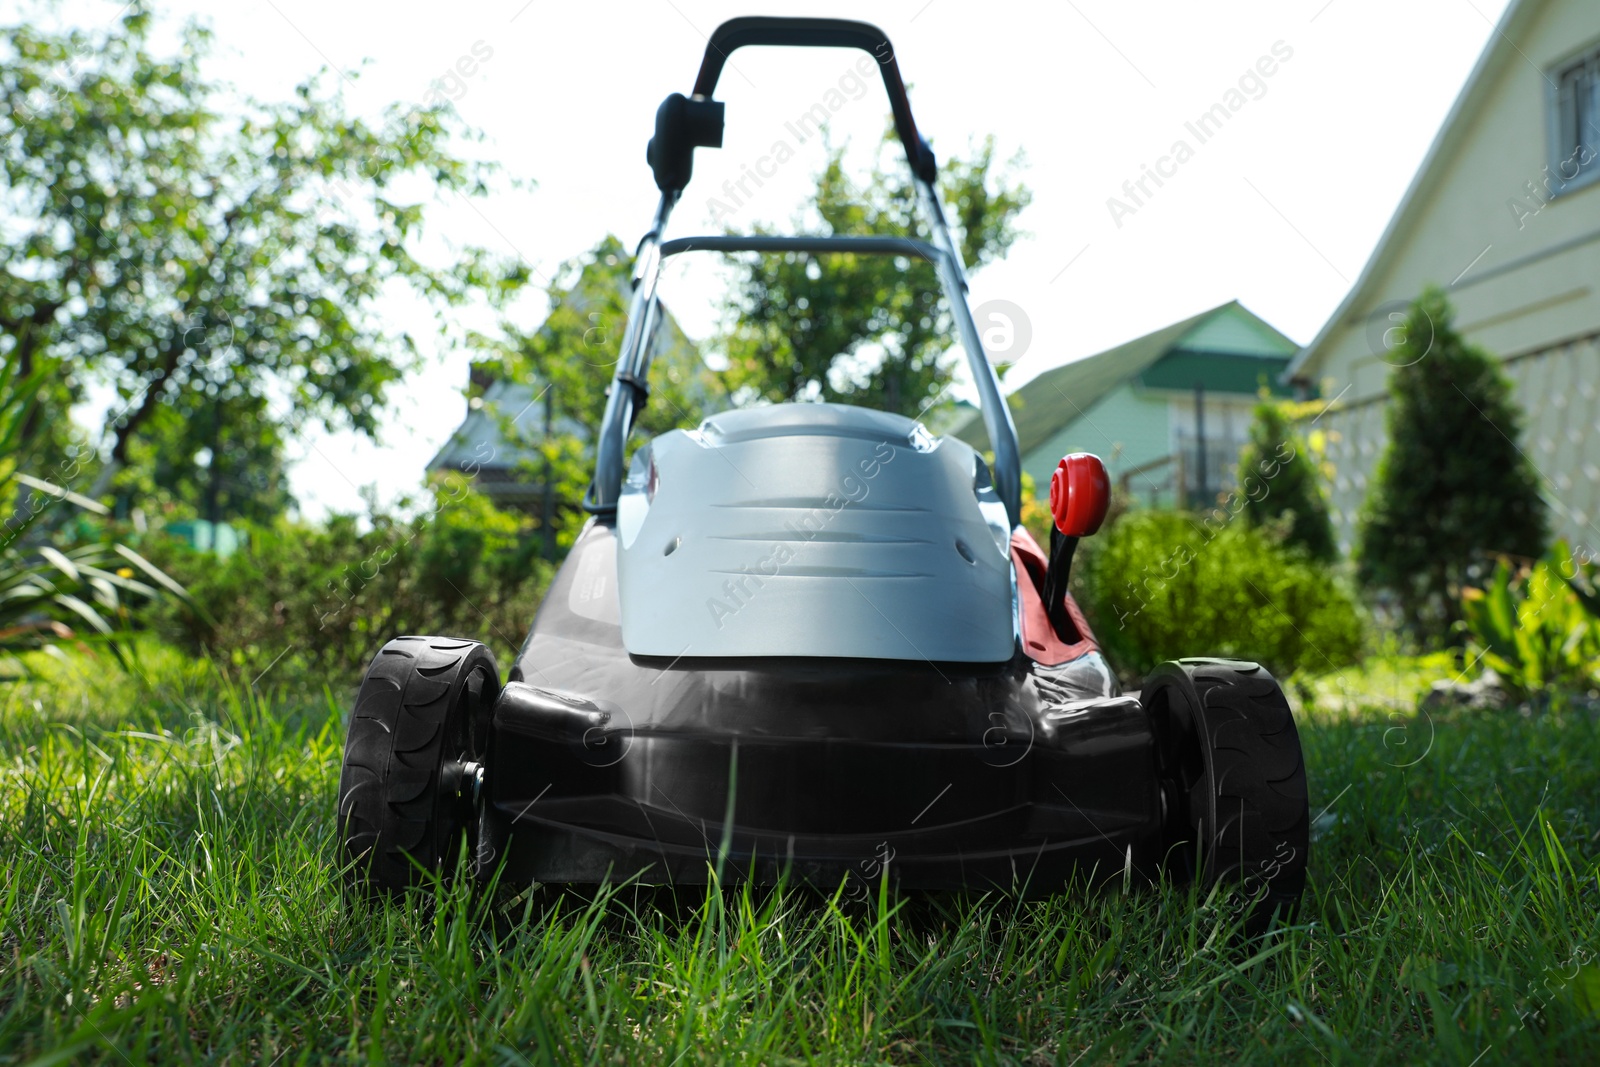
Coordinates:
column 1575, row 144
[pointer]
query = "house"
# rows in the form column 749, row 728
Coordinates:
column 496, row 442
column 1504, row 214
column 1167, row 412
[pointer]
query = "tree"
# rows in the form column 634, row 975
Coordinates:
column 219, row 461
column 569, row 360
column 1281, row 485
column 864, row 329
column 1452, row 488
column 228, row 265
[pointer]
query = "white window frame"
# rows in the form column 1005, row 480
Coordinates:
column 1560, row 112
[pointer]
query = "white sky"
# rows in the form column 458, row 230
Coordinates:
column 1279, row 210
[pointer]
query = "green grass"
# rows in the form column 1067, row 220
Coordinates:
column 166, row 895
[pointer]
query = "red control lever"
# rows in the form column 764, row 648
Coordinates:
column 1080, row 493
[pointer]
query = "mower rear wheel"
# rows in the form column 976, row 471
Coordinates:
column 1233, row 782
column 415, row 747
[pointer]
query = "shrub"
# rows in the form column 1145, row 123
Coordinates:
column 1531, row 627
column 1157, row 585
column 1452, row 489
column 58, row 584
column 1280, row 485
column 326, row 597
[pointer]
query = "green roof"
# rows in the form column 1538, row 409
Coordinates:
column 1055, row 398
column 1218, row 372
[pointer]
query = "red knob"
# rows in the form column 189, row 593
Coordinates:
column 1080, row 493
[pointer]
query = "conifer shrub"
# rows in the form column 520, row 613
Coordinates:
column 1452, row 490
column 1281, row 485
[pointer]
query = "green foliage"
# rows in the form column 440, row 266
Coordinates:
column 169, row 897
column 202, row 258
column 1157, row 585
column 1531, row 628
column 325, row 598
column 45, row 589
column 1452, row 488
column 1584, row 580
column 570, row 360
column 1281, row 486
column 238, row 473
column 859, row 329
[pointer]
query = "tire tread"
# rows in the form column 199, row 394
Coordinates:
column 389, row 783
column 1255, row 780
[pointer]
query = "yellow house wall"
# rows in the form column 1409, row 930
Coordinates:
column 1527, row 286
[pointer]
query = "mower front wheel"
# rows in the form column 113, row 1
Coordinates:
column 1233, row 782
column 413, row 759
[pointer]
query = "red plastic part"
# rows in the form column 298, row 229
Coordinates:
column 1080, row 493
column 1040, row 642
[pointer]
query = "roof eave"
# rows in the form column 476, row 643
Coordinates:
column 974, row 420
column 1494, row 55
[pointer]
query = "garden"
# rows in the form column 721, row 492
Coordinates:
column 173, row 717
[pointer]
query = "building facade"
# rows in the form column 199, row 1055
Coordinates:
column 1504, row 215
column 1168, row 412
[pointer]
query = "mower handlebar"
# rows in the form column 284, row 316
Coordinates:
column 821, row 33
column 686, row 123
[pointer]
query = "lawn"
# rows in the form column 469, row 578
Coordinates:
column 167, row 895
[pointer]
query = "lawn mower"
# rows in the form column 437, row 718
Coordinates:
column 814, row 642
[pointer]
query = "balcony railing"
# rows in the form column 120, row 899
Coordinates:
column 1190, row 477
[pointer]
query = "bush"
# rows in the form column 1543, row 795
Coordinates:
column 1533, row 628
column 1452, row 489
column 1158, row 585
column 325, row 598
column 60, row 580
column 1280, row 485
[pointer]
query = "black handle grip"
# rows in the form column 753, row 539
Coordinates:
column 682, row 125
column 821, row 33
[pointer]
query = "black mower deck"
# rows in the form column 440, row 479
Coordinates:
column 966, row 774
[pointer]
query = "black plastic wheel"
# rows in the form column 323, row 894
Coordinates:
column 1233, row 782
column 421, row 719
